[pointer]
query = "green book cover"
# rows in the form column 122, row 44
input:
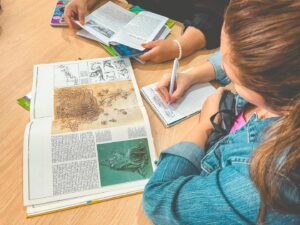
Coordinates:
column 25, row 101
column 109, row 49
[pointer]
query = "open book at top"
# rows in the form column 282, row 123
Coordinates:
column 89, row 137
column 112, row 25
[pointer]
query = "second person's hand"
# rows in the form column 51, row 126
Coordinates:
column 160, row 51
column 77, row 9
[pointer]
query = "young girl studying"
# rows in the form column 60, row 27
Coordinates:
column 251, row 175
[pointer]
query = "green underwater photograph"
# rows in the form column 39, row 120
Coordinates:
column 124, row 161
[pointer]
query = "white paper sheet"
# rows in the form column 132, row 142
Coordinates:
column 188, row 105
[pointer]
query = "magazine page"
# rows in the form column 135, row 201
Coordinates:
column 106, row 21
column 98, row 139
column 186, row 106
column 160, row 36
column 37, row 159
column 143, row 28
column 116, row 166
column 67, row 165
column 47, row 77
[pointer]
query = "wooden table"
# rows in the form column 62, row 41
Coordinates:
column 26, row 38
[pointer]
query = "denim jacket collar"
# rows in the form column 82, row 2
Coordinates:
column 240, row 104
column 227, row 150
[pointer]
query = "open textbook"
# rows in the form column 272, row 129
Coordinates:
column 113, row 25
column 89, row 137
column 186, row 106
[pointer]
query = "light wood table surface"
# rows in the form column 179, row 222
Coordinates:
column 26, row 38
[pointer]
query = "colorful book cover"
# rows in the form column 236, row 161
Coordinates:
column 58, row 15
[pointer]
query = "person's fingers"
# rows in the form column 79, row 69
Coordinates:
column 177, row 94
column 151, row 44
column 68, row 16
column 81, row 15
column 165, row 92
column 69, row 23
column 162, row 88
column 148, row 55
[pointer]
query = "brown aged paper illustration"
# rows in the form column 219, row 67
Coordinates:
column 95, row 106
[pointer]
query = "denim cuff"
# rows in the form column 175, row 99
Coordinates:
column 216, row 61
column 187, row 150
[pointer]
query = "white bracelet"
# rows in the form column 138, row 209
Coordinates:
column 179, row 49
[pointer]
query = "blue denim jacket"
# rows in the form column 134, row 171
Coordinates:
column 190, row 186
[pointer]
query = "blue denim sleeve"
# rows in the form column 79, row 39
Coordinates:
column 178, row 194
column 216, row 61
column 187, row 150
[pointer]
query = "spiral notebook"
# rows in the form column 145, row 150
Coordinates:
column 190, row 104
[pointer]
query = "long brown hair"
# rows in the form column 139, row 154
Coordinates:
column 264, row 39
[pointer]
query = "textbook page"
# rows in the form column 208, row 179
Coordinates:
column 106, row 21
column 47, row 77
column 165, row 31
column 188, row 105
column 69, row 165
column 97, row 138
column 143, row 28
column 120, row 190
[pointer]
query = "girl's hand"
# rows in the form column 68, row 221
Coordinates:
column 77, row 9
column 160, row 51
column 183, row 82
column 209, row 108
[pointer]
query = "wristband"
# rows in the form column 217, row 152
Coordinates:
column 179, row 49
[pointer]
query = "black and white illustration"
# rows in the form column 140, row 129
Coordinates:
column 108, row 66
column 122, row 68
column 120, row 64
column 98, row 28
column 108, row 70
column 124, row 74
column 96, row 72
column 66, row 75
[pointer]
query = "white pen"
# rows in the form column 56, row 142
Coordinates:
column 173, row 76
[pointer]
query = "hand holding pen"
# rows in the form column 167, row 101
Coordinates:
column 173, row 76
column 172, row 86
